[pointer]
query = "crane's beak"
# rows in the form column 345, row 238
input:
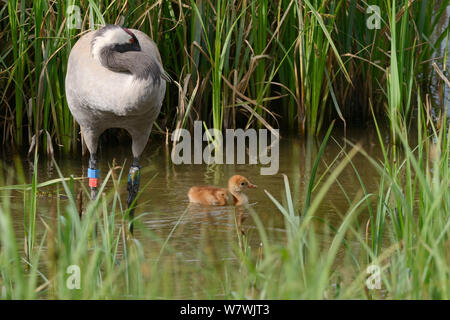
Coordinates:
column 252, row 186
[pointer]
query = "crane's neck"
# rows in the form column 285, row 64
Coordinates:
column 139, row 64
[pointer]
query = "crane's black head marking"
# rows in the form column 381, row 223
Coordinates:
column 132, row 45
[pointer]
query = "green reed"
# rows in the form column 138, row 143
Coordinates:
column 406, row 234
column 294, row 64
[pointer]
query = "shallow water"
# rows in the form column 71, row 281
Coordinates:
column 165, row 200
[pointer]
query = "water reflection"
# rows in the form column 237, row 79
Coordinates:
column 163, row 206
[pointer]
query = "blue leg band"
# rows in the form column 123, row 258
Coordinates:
column 93, row 173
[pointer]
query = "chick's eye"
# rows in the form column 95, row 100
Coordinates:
column 242, row 183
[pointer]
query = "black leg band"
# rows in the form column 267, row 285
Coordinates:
column 134, row 178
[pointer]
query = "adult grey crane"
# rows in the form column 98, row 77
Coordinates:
column 115, row 79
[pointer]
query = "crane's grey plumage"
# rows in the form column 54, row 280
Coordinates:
column 109, row 89
column 115, row 79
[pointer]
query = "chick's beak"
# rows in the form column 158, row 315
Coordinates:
column 252, row 186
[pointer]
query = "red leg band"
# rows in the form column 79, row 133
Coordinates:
column 93, row 182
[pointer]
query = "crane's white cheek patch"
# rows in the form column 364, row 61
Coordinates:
column 110, row 37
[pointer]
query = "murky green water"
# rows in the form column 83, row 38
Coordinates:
column 165, row 200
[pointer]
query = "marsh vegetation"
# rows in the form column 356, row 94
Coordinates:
column 311, row 68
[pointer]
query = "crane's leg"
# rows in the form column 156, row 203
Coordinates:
column 93, row 175
column 91, row 136
column 134, row 177
column 139, row 135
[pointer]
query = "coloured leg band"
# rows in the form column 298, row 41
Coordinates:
column 93, row 182
column 134, row 176
column 93, row 175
